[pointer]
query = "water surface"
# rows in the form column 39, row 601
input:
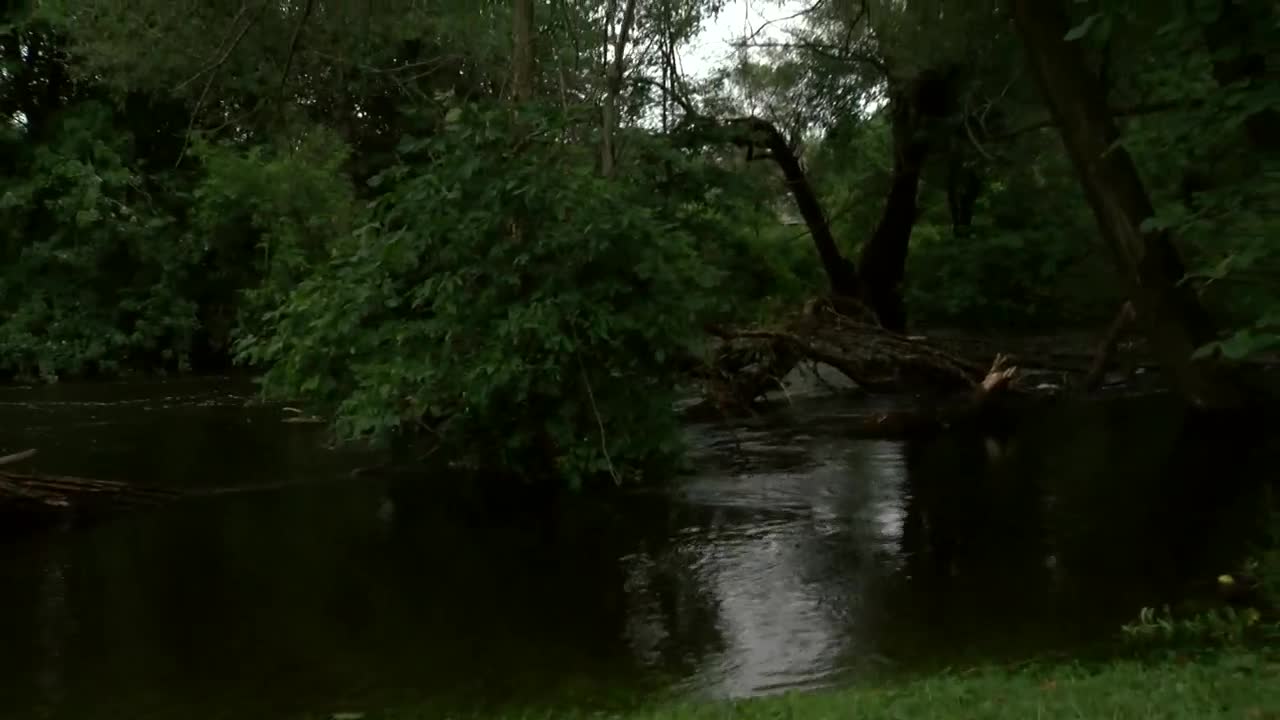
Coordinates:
column 795, row 556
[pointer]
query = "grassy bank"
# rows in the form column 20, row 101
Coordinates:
column 1236, row 685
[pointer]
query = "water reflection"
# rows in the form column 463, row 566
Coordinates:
column 788, row 553
column 795, row 557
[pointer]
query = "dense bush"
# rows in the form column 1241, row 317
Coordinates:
column 91, row 267
column 528, row 311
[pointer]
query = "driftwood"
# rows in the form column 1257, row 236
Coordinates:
column 30, row 500
column 16, row 457
column 751, row 362
column 976, row 409
column 33, row 496
column 61, row 491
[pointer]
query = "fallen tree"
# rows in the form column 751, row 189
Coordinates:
column 955, row 379
column 749, row 363
column 752, row 361
column 34, row 496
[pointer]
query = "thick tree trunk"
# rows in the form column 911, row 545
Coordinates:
column 1236, row 58
column 1170, row 314
column 882, row 265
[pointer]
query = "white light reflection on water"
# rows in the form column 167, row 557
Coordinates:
column 763, row 551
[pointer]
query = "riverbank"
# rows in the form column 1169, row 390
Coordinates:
column 1236, row 684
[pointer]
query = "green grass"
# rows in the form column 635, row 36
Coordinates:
column 1235, row 685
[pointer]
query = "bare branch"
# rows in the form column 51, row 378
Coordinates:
column 770, row 23
column 1141, row 110
column 17, row 457
column 293, row 45
column 213, row 73
column 684, row 103
column 838, row 53
column 224, row 49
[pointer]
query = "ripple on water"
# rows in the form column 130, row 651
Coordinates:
column 794, row 557
column 762, row 549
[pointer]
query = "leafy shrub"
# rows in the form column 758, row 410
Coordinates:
column 262, row 217
column 92, row 271
column 528, row 312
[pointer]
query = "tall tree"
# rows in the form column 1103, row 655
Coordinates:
column 522, row 54
column 1170, row 313
column 616, row 73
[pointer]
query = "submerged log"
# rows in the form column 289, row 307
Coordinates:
column 34, row 496
column 17, row 457
column 980, row 408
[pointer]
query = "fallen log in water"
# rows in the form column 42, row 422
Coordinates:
column 16, row 457
column 34, row 496
column 752, row 362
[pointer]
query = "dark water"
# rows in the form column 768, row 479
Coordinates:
column 794, row 557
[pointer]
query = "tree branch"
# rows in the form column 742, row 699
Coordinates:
column 293, row 46
column 842, row 54
column 1140, row 110
column 224, row 50
column 212, row 71
column 17, row 457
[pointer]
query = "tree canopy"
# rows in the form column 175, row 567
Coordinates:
column 504, row 226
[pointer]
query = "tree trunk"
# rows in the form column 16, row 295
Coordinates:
column 616, row 74
column 522, row 50
column 964, row 186
column 884, row 257
column 522, row 59
column 1170, row 314
column 1107, row 348
column 841, row 273
column 1238, row 59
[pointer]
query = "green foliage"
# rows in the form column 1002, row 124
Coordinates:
column 529, row 311
column 182, row 177
column 263, row 217
column 1228, row 686
column 1219, row 627
column 1214, row 189
column 92, row 268
column 1009, row 271
column 1029, row 260
column 744, row 232
column 1255, row 621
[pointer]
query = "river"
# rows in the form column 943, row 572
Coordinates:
column 795, row 556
